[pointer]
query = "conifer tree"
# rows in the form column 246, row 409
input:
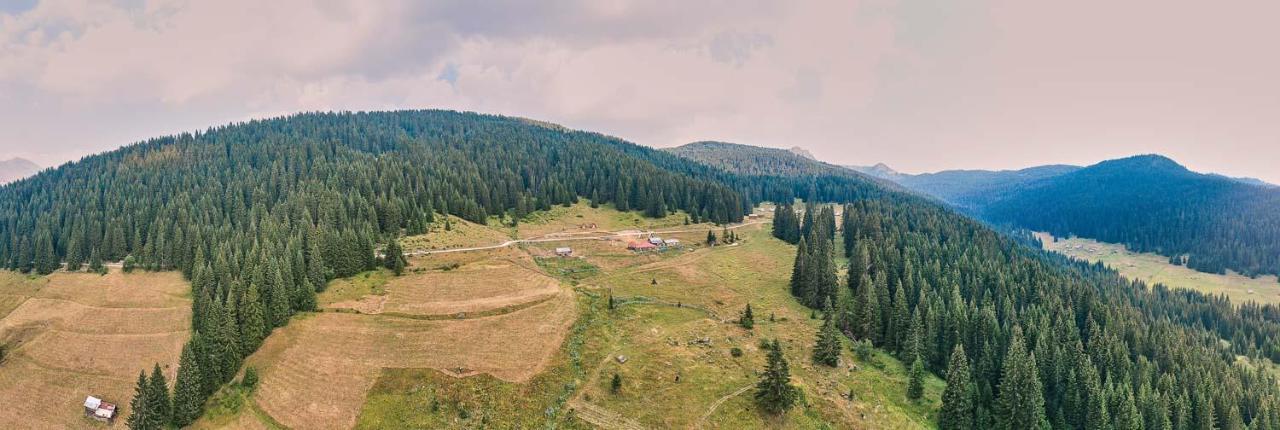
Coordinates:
column 711, row 238
column 774, row 393
column 253, row 326
column 957, row 398
column 870, row 314
column 394, row 259
column 1020, row 405
column 187, row 388
column 140, row 417
column 826, row 348
column 159, row 406
column 95, row 261
column 747, row 320
column 46, row 261
column 915, row 382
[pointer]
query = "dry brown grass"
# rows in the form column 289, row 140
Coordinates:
column 72, row 335
column 317, row 371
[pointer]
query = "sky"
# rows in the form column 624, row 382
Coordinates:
column 922, row 85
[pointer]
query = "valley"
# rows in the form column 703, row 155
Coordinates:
column 1155, row 269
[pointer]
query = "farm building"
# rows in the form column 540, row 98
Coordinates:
column 564, row 251
column 655, row 240
column 671, row 243
column 641, row 246
column 98, row 409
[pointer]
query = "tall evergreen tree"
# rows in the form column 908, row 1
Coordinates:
column 915, row 380
column 826, row 348
column 253, row 326
column 159, row 406
column 1020, row 405
column 187, row 396
column 774, row 392
column 140, row 415
column 958, row 397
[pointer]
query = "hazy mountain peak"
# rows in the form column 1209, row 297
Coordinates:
column 16, row 168
column 802, row 152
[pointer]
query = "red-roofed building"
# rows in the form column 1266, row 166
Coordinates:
column 641, row 246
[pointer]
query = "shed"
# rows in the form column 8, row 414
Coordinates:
column 655, row 240
column 98, row 409
column 564, row 251
column 671, row 242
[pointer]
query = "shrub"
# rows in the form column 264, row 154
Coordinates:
column 862, row 349
column 735, row 351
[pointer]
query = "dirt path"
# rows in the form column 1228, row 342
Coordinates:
column 719, row 402
column 566, row 239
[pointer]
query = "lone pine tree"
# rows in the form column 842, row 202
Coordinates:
column 774, row 392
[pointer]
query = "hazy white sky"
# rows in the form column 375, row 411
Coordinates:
column 921, row 85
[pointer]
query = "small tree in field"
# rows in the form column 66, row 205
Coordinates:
column 774, row 392
column 711, row 238
column 615, row 386
column 394, row 259
column 747, row 320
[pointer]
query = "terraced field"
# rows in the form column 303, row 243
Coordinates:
column 317, row 371
column 72, row 335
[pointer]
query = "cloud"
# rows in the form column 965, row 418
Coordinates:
column 920, row 84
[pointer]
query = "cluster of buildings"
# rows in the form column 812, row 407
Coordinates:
column 654, row 243
column 99, row 410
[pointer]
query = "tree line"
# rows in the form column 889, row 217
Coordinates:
column 1026, row 339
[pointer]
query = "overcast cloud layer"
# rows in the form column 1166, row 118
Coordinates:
column 922, row 85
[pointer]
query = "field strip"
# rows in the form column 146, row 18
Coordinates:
column 58, row 369
column 451, row 316
column 719, row 402
column 89, row 306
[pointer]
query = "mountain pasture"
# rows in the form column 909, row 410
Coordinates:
column 1155, row 269
column 71, row 335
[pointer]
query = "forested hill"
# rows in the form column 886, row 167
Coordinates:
column 1152, row 204
column 261, row 214
column 973, row 190
column 1028, row 339
column 755, row 160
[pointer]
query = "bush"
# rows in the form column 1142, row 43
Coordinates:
column 862, row 349
column 735, row 351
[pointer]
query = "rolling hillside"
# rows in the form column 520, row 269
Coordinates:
column 262, row 216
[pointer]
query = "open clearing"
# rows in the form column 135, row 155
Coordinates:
column 75, row 334
column 496, row 338
column 317, row 371
column 682, row 326
column 1155, row 269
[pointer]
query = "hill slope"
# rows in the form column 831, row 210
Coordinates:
column 16, row 168
column 1152, row 204
column 259, row 215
